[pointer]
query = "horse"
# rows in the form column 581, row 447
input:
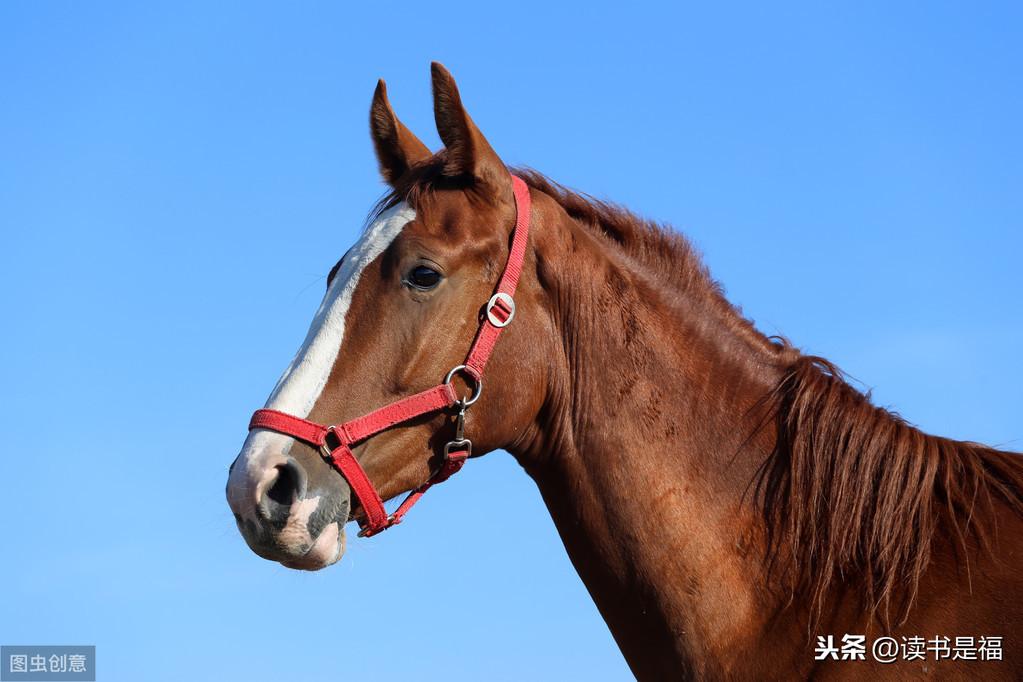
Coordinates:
column 736, row 509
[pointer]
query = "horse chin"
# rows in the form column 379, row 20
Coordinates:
column 326, row 550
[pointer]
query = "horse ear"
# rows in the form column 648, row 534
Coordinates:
column 396, row 146
column 468, row 152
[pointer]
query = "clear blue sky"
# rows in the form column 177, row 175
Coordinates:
column 176, row 180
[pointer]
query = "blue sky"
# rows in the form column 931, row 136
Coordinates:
column 176, row 180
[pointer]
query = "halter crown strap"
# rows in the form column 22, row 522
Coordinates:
column 335, row 442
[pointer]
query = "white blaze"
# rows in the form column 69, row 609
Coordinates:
column 302, row 382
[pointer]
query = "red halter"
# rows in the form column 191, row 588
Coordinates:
column 335, row 442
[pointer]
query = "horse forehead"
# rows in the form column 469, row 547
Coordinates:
column 451, row 214
column 301, row 383
column 380, row 233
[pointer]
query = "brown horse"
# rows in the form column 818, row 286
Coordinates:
column 729, row 502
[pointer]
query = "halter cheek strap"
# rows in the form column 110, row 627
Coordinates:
column 335, row 442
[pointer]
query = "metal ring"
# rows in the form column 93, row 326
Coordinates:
column 476, row 383
column 325, row 448
column 509, row 303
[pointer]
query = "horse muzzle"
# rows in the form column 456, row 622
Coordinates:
column 285, row 517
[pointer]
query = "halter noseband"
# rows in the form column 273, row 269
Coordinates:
column 334, row 442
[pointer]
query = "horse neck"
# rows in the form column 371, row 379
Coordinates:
column 641, row 453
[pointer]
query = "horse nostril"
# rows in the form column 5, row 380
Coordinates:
column 287, row 488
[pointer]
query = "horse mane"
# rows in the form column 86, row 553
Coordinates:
column 851, row 493
column 667, row 254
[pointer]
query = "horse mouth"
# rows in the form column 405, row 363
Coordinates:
column 326, row 550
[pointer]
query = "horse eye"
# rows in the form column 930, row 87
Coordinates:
column 423, row 278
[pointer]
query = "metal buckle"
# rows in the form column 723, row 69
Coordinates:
column 365, row 532
column 476, row 383
column 325, row 449
column 509, row 305
column 458, row 444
